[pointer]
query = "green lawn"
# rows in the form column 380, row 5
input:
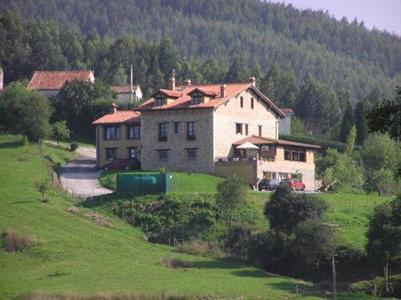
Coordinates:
column 75, row 255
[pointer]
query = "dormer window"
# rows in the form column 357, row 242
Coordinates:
column 160, row 100
column 197, row 98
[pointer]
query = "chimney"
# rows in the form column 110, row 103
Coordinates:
column 223, row 90
column 1, row 79
column 187, row 82
column 252, row 80
column 172, row 81
column 114, row 106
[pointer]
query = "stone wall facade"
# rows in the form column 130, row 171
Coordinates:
column 228, row 115
column 177, row 144
column 121, row 144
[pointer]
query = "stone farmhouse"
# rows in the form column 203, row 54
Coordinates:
column 49, row 83
column 220, row 129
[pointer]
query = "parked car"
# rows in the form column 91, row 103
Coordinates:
column 268, row 185
column 122, row 164
column 294, row 184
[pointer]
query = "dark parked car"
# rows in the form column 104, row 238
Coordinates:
column 294, row 184
column 268, row 185
column 122, row 164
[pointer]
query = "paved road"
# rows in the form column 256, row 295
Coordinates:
column 80, row 176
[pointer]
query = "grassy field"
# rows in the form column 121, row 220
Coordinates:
column 76, row 255
column 350, row 211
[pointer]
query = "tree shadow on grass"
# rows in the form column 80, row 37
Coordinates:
column 301, row 289
column 218, row 263
column 23, row 202
column 9, row 145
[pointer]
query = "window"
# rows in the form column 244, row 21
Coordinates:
column 111, row 153
column 241, row 101
column 191, row 131
column 191, row 153
column 162, row 132
column 282, row 176
column 197, row 98
column 163, row 154
column 238, row 128
column 176, row 127
column 112, row 133
column 132, row 152
column 252, row 105
column 134, row 132
column 159, row 100
column 246, row 129
column 260, row 130
column 294, row 155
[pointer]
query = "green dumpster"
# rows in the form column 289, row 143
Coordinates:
column 143, row 184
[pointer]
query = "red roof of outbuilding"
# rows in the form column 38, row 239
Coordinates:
column 123, row 89
column 54, row 80
column 120, row 116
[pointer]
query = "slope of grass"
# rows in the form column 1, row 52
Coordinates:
column 350, row 211
column 75, row 255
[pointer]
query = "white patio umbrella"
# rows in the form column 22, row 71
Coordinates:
column 247, row 145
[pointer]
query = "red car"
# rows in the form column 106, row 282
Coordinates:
column 122, row 164
column 294, row 184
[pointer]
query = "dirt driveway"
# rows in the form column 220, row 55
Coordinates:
column 79, row 177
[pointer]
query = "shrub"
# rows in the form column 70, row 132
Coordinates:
column 16, row 241
column 25, row 141
column 202, row 248
column 230, row 193
column 162, row 170
column 43, row 187
column 74, row 146
column 238, row 239
column 173, row 263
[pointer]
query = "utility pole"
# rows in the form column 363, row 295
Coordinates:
column 333, row 248
column 132, row 85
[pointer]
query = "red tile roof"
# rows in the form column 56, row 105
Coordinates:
column 120, row 116
column 287, row 111
column 54, row 80
column 123, row 89
column 183, row 98
column 259, row 140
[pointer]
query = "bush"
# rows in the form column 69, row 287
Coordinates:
column 25, row 141
column 16, row 241
column 230, row 193
column 173, row 263
column 238, row 239
column 74, row 146
column 201, row 248
column 162, row 170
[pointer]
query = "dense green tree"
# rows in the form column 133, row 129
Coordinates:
column 381, row 159
column 119, row 77
column 347, row 122
column 286, row 210
column 361, row 123
column 351, row 137
column 60, row 131
column 386, row 116
column 384, row 237
column 24, row 112
column 238, row 71
column 82, row 102
column 318, row 107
